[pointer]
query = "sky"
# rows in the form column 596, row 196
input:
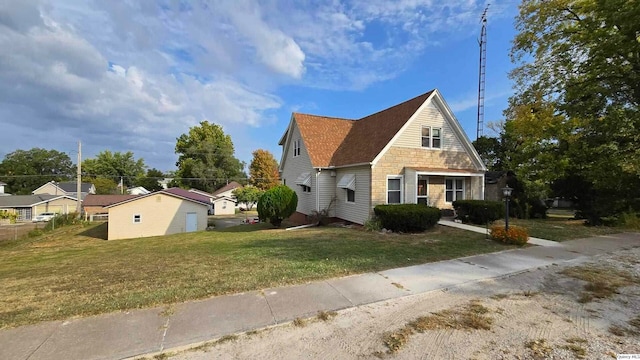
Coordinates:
column 135, row 75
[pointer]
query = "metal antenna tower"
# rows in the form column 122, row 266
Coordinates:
column 483, row 59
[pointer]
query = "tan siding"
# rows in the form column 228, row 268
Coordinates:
column 61, row 206
column 359, row 211
column 293, row 167
column 429, row 116
column 160, row 215
column 220, row 209
column 49, row 189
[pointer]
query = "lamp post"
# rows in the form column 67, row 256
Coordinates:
column 506, row 191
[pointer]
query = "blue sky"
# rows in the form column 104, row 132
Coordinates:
column 133, row 76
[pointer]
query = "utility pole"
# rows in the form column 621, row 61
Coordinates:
column 481, row 82
column 79, row 181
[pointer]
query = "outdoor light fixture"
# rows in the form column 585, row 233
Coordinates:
column 506, row 191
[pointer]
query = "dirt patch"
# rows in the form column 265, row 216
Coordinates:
column 532, row 315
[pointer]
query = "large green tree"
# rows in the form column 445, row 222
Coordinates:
column 115, row 165
column 150, row 181
column 25, row 170
column 206, row 158
column 575, row 112
column 263, row 170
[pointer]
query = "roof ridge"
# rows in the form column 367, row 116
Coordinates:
column 323, row 116
column 397, row 105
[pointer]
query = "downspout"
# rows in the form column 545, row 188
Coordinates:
column 318, row 190
column 482, row 185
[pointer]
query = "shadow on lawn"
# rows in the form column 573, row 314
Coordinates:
column 97, row 232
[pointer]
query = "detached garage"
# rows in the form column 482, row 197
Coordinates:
column 164, row 212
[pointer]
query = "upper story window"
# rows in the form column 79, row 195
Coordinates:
column 137, row 218
column 296, row 148
column 431, row 137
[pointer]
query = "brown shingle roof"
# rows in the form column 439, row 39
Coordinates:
column 230, row 186
column 105, row 200
column 338, row 142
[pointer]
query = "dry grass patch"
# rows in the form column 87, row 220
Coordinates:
column 540, row 349
column 473, row 316
column 299, row 322
column 602, row 282
column 326, row 315
column 578, row 351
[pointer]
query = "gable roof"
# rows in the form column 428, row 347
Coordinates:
column 175, row 192
column 70, row 186
column 105, row 200
column 230, row 186
column 28, row 200
column 339, row 142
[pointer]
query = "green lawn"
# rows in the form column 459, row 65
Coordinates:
column 559, row 228
column 73, row 272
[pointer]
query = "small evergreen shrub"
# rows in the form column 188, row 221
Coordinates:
column 479, row 211
column 516, row 235
column 407, row 217
column 277, row 204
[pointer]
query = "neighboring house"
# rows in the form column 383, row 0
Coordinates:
column 163, row 212
column 138, row 190
column 165, row 182
column 68, row 188
column 227, row 190
column 28, row 206
column 2, row 185
column 96, row 204
column 413, row 152
column 224, row 205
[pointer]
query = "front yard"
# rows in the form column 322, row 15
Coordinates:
column 73, row 272
column 560, row 229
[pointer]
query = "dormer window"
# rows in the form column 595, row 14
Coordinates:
column 296, row 148
column 431, row 137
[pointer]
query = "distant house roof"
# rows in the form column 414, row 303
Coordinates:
column 71, row 186
column 203, row 193
column 105, row 200
column 2, row 184
column 175, row 192
column 230, row 186
column 337, row 142
column 27, row 200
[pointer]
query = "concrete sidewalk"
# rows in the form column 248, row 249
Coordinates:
column 139, row 332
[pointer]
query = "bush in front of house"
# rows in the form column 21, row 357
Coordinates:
column 479, row 211
column 515, row 235
column 61, row 220
column 277, row 204
column 407, row 217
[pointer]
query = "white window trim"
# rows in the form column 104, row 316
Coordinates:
column 464, row 190
column 133, row 219
column 296, row 148
column 428, row 182
column 386, row 193
column 431, row 137
column 346, row 196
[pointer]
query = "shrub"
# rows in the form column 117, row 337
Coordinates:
column 516, row 235
column 479, row 211
column 61, row 220
column 276, row 204
column 12, row 216
column 35, row 232
column 372, row 224
column 407, row 217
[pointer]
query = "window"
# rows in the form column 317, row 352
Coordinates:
column 421, row 196
column 296, row 148
column 351, row 195
column 306, row 188
column 224, row 204
column 394, row 190
column 431, row 137
column 137, row 218
column 454, row 189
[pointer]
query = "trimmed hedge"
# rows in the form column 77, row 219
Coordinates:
column 407, row 217
column 479, row 211
column 277, row 204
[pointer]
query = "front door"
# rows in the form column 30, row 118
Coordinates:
column 192, row 222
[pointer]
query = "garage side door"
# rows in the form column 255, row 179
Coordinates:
column 192, row 222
